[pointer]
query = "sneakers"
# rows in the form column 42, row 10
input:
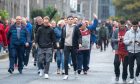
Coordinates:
column 10, row 71
column 137, row 80
column 41, row 72
column 85, row 72
column 69, row 66
column 46, row 76
column 131, row 81
column 65, row 77
column 79, row 71
column 58, row 71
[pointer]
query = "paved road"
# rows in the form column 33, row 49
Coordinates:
column 101, row 72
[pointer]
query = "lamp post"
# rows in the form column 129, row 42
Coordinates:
column 28, row 9
column 90, row 5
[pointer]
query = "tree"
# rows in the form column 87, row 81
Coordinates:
column 49, row 10
column 4, row 14
column 45, row 12
column 37, row 12
column 129, row 9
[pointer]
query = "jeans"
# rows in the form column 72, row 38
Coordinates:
column 67, row 51
column 17, row 50
column 132, row 57
column 82, row 60
column 60, row 59
column 117, row 63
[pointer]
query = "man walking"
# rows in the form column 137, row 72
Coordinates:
column 19, row 38
column 71, row 41
column 45, row 38
column 121, row 54
column 132, row 40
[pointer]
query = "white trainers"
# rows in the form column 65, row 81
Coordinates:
column 41, row 72
column 131, row 81
column 46, row 76
column 69, row 66
column 65, row 77
column 137, row 80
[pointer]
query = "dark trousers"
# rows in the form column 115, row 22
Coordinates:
column 16, row 59
column 26, row 55
column 117, row 63
column 82, row 60
column 102, row 41
column 132, row 57
column 34, row 54
column 17, row 50
column 67, row 51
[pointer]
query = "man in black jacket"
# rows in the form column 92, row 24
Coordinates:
column 45, row 38
column 71, row 40
column 38, row 23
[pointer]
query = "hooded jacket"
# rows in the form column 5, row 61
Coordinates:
column 133, row 36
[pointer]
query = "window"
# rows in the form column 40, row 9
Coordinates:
column 78, row 8
column 105, row 12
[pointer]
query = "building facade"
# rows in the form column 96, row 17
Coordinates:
column 36, row 4
column 14, row 7
column 105, row 9
column 84, row 8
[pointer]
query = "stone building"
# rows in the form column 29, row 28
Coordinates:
column 105, row 9
column 84, row 10
column 14, row 7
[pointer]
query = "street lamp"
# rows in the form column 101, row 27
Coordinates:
column 28, row 9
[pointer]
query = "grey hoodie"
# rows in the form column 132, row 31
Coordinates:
column 131, row 35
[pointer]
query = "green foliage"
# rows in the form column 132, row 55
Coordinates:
column 45, row 12
column 115, row 18
column 37, row 12
column 48, row 12
column 130, row 9
column 4, row 14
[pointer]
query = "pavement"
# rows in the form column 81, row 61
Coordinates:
column 101, row 72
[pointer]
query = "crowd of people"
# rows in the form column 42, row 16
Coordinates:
column 69, row 42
